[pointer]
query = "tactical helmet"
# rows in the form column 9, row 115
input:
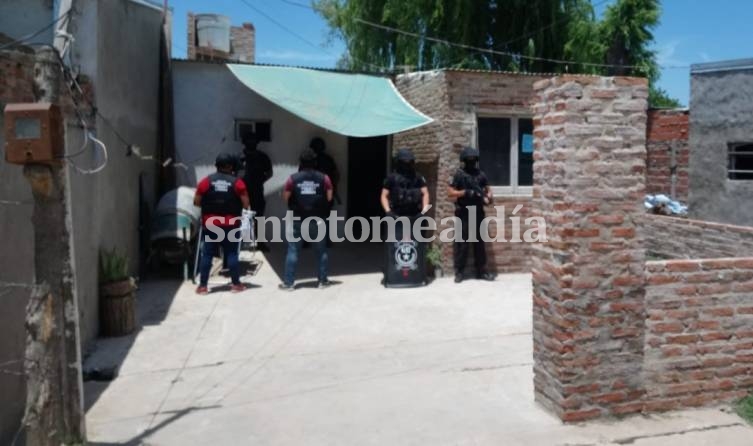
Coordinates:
column 308, row 158
column 226, row 160
column 468, row 152
column 405, row 155
column 317, row 144
column 249, row 139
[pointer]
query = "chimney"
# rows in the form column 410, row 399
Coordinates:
column 242, row 41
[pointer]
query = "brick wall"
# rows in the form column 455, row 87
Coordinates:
column 427, row 92
column 242, row 43
column 191, row 37
column 667, row 146
column 699, row 337
column 16, row 76
column 678, row 238
column 511, row 257
column 454, row 98
column 588, row 279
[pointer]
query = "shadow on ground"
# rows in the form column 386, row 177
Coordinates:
column 161, row 290
column 344, row 259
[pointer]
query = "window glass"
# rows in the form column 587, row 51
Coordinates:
column 740, row 164
column 525, row 152
column 494, row 149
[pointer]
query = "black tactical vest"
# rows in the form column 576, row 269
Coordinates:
column 406, row 198
column 470, row 181
column 309, row 196
column 221, row 198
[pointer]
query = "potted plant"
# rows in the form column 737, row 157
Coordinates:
column 434, row 259
column 117, row 295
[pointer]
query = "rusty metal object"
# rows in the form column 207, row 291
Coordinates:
column 33, row 133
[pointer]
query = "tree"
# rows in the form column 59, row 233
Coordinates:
column 514, row 35
column 509, row 26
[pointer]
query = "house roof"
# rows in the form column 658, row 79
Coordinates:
column 726, row 65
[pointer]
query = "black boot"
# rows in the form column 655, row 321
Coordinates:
column 486, row 276
column 458, row 277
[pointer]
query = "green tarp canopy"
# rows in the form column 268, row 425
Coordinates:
column 348, row 104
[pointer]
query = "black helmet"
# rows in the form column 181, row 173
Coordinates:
column 226, row 160
column 308, row 158
column 468, row 152
column 405, row 155
column 317, row 144
column 249, row 139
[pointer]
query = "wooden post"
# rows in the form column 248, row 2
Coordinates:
column 54, row 400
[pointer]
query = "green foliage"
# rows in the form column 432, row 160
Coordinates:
column 744, row 408
column 553, row 29
column 509, row 26
column 658, row 98
column 113, row 266
column 434, row 255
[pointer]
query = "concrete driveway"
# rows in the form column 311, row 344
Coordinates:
column 355, row 364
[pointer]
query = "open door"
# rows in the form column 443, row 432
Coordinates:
column 367, row 168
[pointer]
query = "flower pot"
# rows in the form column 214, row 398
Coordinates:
column 117, row 308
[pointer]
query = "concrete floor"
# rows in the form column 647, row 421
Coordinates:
column 355, row 364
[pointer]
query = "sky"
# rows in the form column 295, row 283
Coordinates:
column 691, row 31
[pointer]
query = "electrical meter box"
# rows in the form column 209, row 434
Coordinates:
column 33, row 133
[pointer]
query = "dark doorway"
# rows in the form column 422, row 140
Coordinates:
column 367, row 168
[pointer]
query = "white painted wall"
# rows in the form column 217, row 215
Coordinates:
column 208, row 99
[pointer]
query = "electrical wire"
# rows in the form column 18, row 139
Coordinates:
column 544, row 28
column 301, row 38
column 90, row 137
column 493, row 51
column 288, row 30
column 23, row 39
column 504, row 53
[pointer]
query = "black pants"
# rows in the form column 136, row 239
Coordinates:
column 460, row 249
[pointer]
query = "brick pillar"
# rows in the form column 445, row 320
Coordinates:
column 588, row 280
column 242, row 43
column 191, row 37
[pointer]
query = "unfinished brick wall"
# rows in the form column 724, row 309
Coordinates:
column 677, row 238
column 588, row 280
column 472, row 94
column 699, row 334
column 16, row 76
column 242, row 43
column 668, row 148
column 427, row 92
column 191, row 37
column 454, row 98
column 510, row 257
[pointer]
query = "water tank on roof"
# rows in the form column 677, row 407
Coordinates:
column 213, row 31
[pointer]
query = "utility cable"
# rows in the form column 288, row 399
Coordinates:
column 490, row 50
column 23, row 39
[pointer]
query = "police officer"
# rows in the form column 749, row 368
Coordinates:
column 405, row 192
column 222, row 197
column 326, row 164
column 470, row 189
column 308, row 193
column 258, row 170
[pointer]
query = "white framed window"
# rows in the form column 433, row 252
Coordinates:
column 740, row 161
column 505, row 147
column 262, row 129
